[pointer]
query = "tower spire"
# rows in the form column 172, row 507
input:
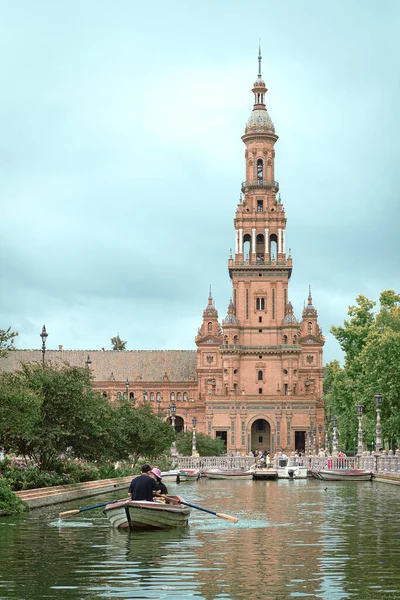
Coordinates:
column 309, row 295
column 259, row 59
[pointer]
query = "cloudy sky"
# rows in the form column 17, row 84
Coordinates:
column 121, row 159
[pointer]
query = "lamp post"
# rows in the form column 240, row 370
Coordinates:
column 319, row 436
column 194, row 423
column 360, row 409
column 43, row 335
column 172, row 409
column 378, row 440
column 327, row 435
column 159, row 406
column 126, row 388
column 88, row 362
column 335, row 440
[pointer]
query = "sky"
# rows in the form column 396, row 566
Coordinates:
column 121, row 160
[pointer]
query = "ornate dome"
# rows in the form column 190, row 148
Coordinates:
column 290, row 319
column 259, row 122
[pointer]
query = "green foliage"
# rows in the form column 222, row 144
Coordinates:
column 9, row 502
column 47, row 411
column 117, row 343
column 6, row 341
column 205, row 445
column 139, row 431
column 372, row 364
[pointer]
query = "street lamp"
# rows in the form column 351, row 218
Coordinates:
column 126, row 388
column 319, row 436
column 194, row 423
column 327, row 435
column 360, row 409
column 43, row 335
column 335, row 440
column 378, row 440
column 159, row 406
column 88, row 362
column 172, row 409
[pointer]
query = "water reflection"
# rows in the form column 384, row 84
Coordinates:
column 294, row 539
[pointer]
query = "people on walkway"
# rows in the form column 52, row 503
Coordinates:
column 268, row 460
column 144, row 486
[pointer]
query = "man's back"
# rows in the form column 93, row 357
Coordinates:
column 142, row 487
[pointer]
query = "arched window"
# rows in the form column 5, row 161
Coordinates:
column 210, row 326
column 273, row 246
column 179, row 397
column 259, row 169
column 185, row 396
column 246, row 246
column 172, row 396
column 158, row 397
column 285, row 339
column 235, row 339
column 104, row 394
column 131, row 395
column 151, row 396
column 310, row 327
column 260, row 375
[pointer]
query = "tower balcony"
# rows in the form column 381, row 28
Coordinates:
column 251, row 184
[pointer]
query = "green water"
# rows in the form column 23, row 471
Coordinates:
column 295, row 539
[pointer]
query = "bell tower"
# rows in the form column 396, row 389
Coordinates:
column 260, row 268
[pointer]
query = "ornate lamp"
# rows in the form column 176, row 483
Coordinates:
column 378, row 439
column 43, row 335
column 194, row 449
column 360, row 409
column 335, row 440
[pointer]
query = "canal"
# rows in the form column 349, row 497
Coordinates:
column 295, row 539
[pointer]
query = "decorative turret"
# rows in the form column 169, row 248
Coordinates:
column 309, row 329
column 210, row 328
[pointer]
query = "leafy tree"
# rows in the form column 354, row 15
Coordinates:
column 205, row 445
column 372, row 364
column 117, row 343
column 140, row 432
column 48, row 411
column 7, row 337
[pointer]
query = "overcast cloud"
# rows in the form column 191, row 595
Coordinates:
column 121, row 160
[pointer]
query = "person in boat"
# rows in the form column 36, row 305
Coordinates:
column 144, row 486
column 161, row 486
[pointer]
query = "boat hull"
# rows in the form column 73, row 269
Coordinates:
column 292, row 472
column 141, row 514
column 180, row 476
column 346, row 475
column 231, row 475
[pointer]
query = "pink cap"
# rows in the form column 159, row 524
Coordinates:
column 157, row 472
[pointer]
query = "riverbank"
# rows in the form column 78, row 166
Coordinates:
column 40, row 497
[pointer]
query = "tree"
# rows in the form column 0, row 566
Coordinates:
column 205, row 445
column 372, row 364
column 7, row 337
column 117, row 343
column 48, row 411
column 140, row 432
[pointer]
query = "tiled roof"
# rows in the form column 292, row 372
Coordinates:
column 151, row 365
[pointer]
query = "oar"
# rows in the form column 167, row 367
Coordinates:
column 69, row 513
column 220, row 515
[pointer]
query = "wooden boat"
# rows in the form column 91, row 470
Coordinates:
column 179, row 475
column 142, row 514
column 292, row 472
column 263, row 474
column 230, row 474
column 342, row 474
column 189, row 474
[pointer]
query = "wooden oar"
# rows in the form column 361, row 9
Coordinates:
column 220, row 515
column 69, row 513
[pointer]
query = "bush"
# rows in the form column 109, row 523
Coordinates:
column 9, row 502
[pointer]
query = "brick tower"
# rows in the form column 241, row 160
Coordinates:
column 271, row 364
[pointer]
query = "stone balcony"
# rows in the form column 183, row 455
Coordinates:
column 259, row 183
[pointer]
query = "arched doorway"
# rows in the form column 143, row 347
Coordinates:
column 261, row 435
column 179, row 423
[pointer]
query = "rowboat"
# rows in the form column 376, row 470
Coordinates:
column 292, row 472
column 230, row 474
column 342, row 475
column 142, row 514
column 180, row 475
